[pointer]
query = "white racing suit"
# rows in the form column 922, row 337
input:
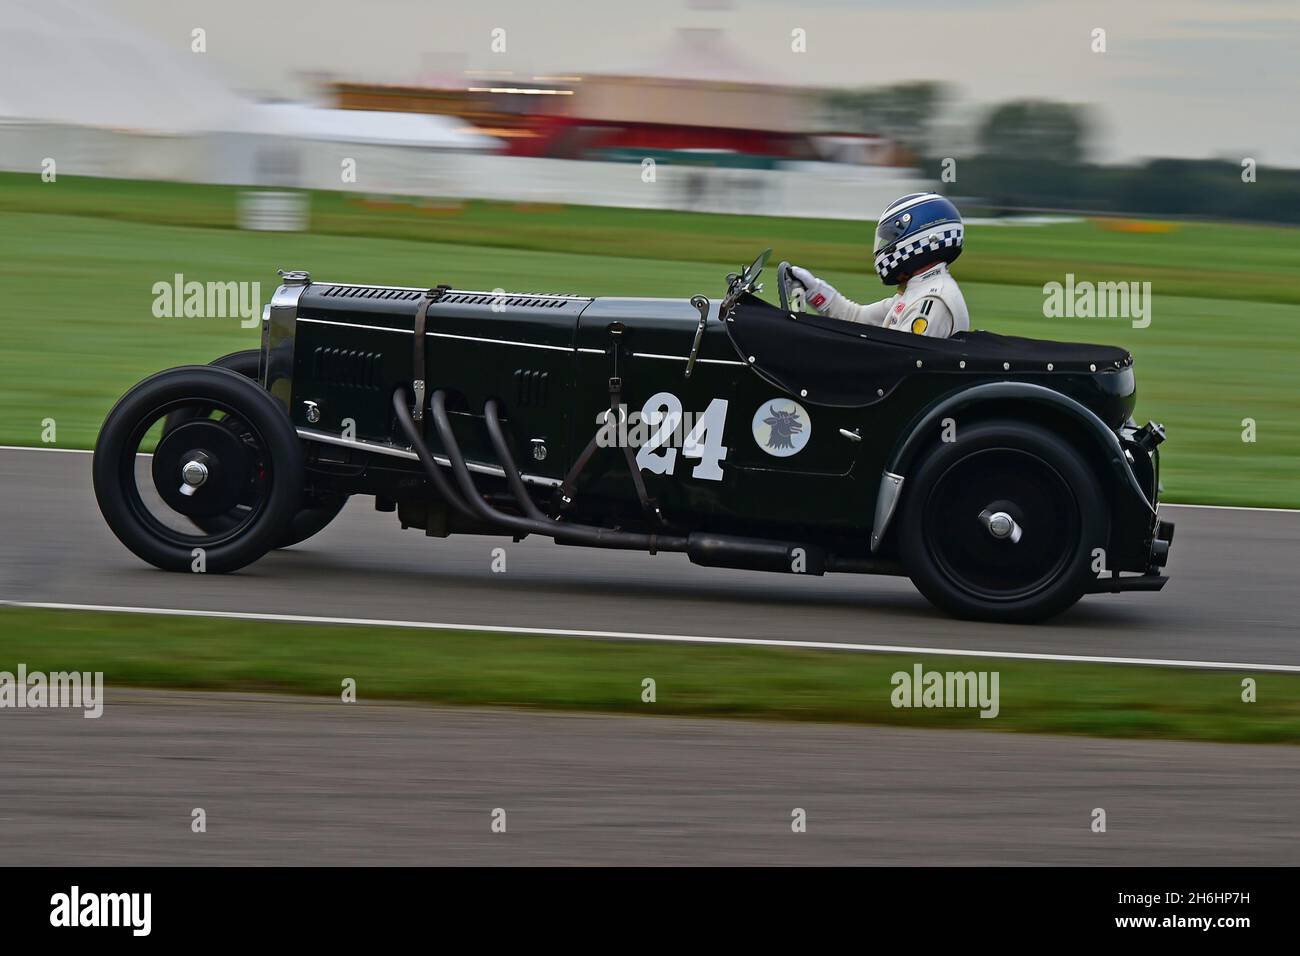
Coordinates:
column 928, row 304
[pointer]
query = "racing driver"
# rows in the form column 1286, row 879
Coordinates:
column 917, row 238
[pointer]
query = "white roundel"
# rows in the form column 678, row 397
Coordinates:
column 782, row 427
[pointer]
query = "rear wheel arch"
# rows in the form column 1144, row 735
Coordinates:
column 1008, row 401
column 1056, row 418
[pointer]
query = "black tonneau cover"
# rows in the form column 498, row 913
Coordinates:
column 847, row 364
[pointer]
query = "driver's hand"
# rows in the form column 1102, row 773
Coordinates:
column 817, row 293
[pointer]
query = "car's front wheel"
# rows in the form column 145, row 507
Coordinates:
column 1003, row 523
column 198, row 469
column 316, row 510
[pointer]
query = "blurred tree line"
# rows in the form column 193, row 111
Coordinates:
column 1035, row 154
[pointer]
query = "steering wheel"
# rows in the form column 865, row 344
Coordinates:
column 783, row 281
column 783, row 284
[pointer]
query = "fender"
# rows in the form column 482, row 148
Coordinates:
column 920, row 431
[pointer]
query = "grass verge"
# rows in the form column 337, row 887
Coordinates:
column 572, row 674
column 1216, row 260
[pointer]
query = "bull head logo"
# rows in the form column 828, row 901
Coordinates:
column 784, row 425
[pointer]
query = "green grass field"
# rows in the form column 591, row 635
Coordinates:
column 78, row 260
column 469, row 668
column 1213, row 260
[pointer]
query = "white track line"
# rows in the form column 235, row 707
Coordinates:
column 660, row 638
column 87, row 451
column 1170, row 504
column 68, row 451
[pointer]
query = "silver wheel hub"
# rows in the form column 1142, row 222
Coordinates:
column 1001, row 525
column 193, row 473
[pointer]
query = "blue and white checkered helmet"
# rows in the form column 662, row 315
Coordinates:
column 914, row 232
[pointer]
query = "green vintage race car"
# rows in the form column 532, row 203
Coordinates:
column 1005, row 476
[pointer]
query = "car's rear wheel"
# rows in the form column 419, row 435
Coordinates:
column 316, row 510
column 197, row 468
column 1002, row 523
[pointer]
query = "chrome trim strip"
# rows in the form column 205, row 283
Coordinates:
column 357, row 325
column 891, row 485
column 396, row 451
column 683, row 358
column 441, row 335
column 522, row 345
column 370, row 285
column 566, row 296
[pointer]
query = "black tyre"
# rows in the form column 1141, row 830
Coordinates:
column 1000, row 525
column 315, row 511
column 190, row 445
column 245, row 362
column 313, row 514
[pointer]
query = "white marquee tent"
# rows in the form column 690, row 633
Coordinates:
column 65, row 62
column 103, row 99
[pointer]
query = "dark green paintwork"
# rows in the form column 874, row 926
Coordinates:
column 478, row 346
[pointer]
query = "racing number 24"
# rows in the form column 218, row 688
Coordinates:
column 663, row 413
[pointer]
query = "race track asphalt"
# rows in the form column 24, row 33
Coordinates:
column 1235, row 583
column 304, row 781
column 287, row 780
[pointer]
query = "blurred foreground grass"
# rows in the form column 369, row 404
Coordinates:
column 479, row 669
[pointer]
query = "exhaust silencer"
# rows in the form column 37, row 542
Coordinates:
column 754, row 554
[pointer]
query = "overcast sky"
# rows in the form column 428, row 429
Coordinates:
column 1179, row 77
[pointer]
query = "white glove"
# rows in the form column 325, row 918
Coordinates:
column 817, row 293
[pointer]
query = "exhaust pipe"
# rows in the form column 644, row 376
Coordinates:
column 575, row 533
column 403, row 410
column 705, row 549
column 754, row 554
column 498, row 438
